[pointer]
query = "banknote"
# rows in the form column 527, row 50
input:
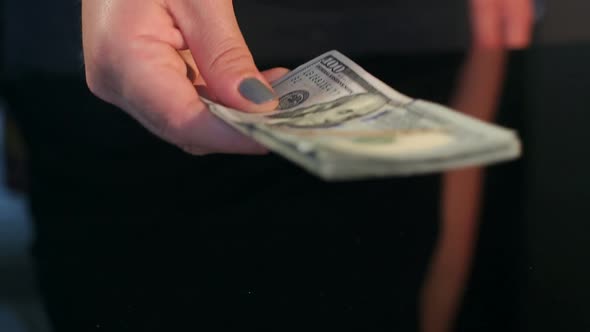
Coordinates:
column 339, row 122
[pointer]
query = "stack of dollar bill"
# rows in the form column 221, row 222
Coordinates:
column 340, row 123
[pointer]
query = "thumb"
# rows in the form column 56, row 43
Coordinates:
column 211, row 31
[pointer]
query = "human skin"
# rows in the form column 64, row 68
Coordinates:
column 477, row 94
column 502, row 23
column 148, row 56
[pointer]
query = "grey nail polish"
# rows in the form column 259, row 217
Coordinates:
column 256, row 92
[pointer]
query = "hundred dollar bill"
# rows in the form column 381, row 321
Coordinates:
column 340, row 123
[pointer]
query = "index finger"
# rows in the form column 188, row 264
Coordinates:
column 161, row 97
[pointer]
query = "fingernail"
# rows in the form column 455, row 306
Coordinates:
column 255, row 91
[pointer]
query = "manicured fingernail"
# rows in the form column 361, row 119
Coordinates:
column 256, row 92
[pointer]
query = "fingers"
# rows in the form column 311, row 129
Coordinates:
column 486, row 21
column 220, row 52
column 132, row 61
column 114, row 33
column 162, row 98
column 502, row 23
column 519, row 22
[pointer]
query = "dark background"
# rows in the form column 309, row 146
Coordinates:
column 530, row 271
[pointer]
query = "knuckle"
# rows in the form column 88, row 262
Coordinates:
column 142, row 50
column 230, row 54
column 92, row 73
column 93, row 83
column 99, row 72
column 98, row 84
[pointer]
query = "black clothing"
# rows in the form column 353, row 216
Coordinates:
column 274, row 29
column 135, row 235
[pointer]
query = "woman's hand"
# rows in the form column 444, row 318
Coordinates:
column 147, row 56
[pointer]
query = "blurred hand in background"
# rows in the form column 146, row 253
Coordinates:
column 502, row 23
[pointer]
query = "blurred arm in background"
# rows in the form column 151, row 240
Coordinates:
column 497, row 25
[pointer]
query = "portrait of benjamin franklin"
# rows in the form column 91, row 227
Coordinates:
column 330, row 114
